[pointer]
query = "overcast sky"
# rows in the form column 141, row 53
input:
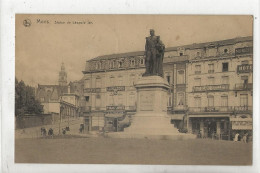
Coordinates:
column 41, row 47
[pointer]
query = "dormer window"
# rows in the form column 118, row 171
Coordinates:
column 120, row 64
column 132, row 62
column 142, row 61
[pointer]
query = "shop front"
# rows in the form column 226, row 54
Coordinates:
column 217, row 127
column 242, row 126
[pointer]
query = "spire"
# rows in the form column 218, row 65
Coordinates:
column 62, row 76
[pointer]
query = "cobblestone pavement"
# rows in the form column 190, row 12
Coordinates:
column 67, row 149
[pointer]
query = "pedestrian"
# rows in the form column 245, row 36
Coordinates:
column 245, row 138
column 64, row 131
column 50, row 132
column 236, row 137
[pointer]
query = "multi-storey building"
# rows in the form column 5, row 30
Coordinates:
column 209, row 82
column 220, row 87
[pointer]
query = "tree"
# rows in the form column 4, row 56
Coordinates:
column 25, row 102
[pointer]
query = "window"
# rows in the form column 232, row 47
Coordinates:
column 112, row 64
column 180, row 77
column 120, row 64
column 98, row 101
column 181, row 54
column 120, row 81
column 211, row 80
column 224, row 66
column 132, row 80
column 131, row 99
column 98, row 82
column 225, row 80
column 87, row 83
column 210, row 101
column 180, row 99
column 112, row 81
column 243, row 100
column 168, row 79
column 142, row 61
column 198, row 53
column 211, row 68
column 197, row 102
column 224, row 101
column 197, row 81
column 197, row 69
column 132, row 63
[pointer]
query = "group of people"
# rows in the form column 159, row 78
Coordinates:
column 51, row 133
column 44, row 132
column 238, row 137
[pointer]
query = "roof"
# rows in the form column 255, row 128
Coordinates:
column 189, row 46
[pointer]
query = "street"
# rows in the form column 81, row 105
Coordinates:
column 100, row 150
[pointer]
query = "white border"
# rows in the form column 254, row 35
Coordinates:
column 10, row 7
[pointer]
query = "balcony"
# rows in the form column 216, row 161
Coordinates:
column 245, row 68
column 243, row 86
column 214, row 109
column 211, row 109
column 222, row 87
column 244, row 50
column 92, row 90
column 242, row 109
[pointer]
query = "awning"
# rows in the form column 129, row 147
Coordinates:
column 177, row 116
column 242, row 123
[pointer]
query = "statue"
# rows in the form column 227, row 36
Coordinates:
column 154, row 53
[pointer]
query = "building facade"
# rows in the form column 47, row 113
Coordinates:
column 60, row 99
column 210, row 86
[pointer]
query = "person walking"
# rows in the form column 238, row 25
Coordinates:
column 236, row 137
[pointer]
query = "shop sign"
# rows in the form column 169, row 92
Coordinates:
column 242, row 123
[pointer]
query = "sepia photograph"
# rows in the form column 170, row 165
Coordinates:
column 134, row 89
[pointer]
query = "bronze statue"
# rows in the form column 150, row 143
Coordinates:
column 154, row 53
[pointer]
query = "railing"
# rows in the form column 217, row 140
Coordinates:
column 242, row 108
column 245, row 68
column 244, row 50
column 222, row 87
column 220, row 109
column 92, row 90
column 210, row 71
column 197, row 72
column 244, row 86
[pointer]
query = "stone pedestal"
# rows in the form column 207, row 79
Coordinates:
column 151, row 120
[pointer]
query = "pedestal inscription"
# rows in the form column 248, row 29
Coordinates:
column 146, row 101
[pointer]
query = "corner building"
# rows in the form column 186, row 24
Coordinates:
column 220, row 87
column 210, row 83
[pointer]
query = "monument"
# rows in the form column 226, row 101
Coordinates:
column 151, row 120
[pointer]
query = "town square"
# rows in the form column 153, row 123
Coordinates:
column 140, row 89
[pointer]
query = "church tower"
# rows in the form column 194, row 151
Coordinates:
column 62, row 76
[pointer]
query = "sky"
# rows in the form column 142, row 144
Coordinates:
column 73, row 39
